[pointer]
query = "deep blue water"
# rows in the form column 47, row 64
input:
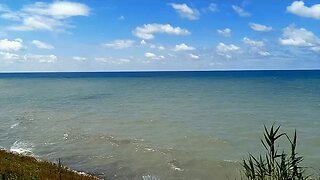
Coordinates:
column 235, row 74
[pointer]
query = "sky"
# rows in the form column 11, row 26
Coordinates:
column 131, row 35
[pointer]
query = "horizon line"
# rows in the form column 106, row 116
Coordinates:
column 150, row 71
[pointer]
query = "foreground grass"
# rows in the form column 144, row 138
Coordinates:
column 14, row 166
column 276, row 163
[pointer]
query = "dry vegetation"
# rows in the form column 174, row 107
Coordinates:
column 14, row 166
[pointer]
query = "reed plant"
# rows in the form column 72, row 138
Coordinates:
column 276, row 163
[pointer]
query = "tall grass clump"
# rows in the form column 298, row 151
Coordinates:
column 276, row 164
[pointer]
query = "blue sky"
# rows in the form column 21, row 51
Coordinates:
column 113, row 35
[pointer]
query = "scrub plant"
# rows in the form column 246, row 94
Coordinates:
column 275, row 164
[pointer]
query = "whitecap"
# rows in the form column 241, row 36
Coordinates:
column 14, row 125
column 49, row 143
column 150, row 149
column 174, row 165
column 230, row 161
column 65, row 136
column 150, row 177
column 23, row 148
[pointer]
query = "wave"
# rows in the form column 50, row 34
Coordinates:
column 150, row 177
column 230, row 161
column 103, row 138
column 23, row 148
column 174, row 165
column 14, row 125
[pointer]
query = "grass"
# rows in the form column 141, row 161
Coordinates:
column 17, row 167
column 276, row 163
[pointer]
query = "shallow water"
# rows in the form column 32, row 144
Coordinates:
column 157, row 125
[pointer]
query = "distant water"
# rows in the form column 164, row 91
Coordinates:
column 157, row 125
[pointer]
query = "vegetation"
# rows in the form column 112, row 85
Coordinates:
column 18, row 167
column 275, row 164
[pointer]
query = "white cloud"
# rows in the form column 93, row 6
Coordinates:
column 121, row 18
column 119, row 44
column 224, row 32
column 9, row 57
column 103, row 59
column 42, row 45
column 172, row 55
column 45, row 16
column 111, row 60
column 213, row 7
column 264, row 53
column 226, row 50
column 161, row 48
column 223, row 48
column 293, row 36
column 241, row 12
column 315, row 49
column 252, row 43
column 299, row 8
column 152, row 46
column 147, row 31
column 14, row 45
column 143, row 42
column 255, row 47
column 10, row 16
column 193, row 56
column 150, row 55
column 300, row 37
column 185, row 11
column 78, row 58
column 123, row 61
column 183, row 47
column 40, row 58
column 4, row 8
column 41, row 23
column 260, row 27
column 58, row 9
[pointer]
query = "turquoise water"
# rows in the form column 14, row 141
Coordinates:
column 157, row 125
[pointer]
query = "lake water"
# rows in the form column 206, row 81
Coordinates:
column 157, row 125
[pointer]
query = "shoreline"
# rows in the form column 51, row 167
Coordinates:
column 15, row 165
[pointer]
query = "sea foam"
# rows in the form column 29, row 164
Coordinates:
column 23, row 148
column 150, row 177
column 14, row 125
